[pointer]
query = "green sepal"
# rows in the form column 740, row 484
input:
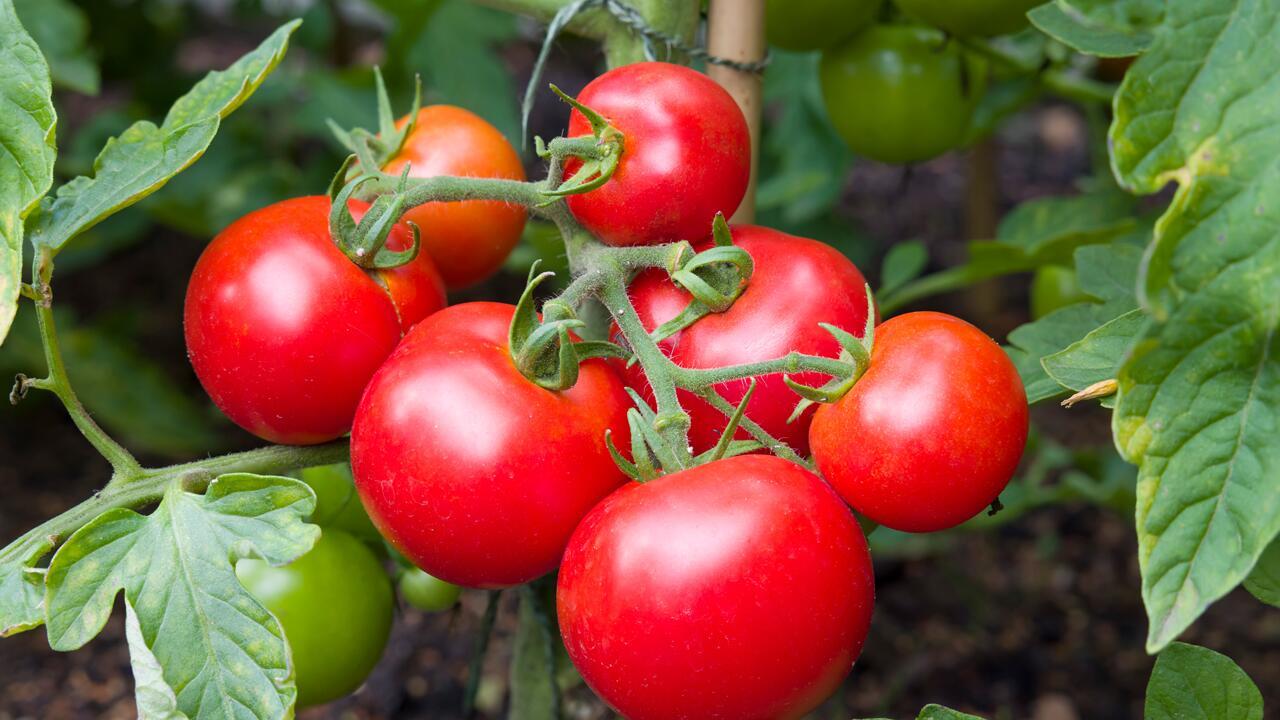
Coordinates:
column 543, row 349
column 379, row 149
column 735, row 448
column 623, row 464
column 731, row 427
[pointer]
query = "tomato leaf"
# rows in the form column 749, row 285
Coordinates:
column 904, row 263
column 1096, row 356
column 1264, row 582
column 938, row 712
column 1114, row 29
column 155, row 699
column 216, row 649
column 21, row 594
column 62, row 31
column 145, row 156
column 27, row 135
column 1189, row 682
column 1199, row 398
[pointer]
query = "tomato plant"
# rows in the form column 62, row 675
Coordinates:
column 283, row 331
column 922, row 88
column 1054, row 287
column 973, row 17
column 797, row 284
column 686, row 157
column 475, row 473
column 467, row 240
column 335, row 642
column 426, row 592
column 933, row 431
column 740, row 588
column 816, row 24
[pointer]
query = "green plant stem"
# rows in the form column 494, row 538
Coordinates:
column 762, row 436
column 1059, row 82
column 697, row 380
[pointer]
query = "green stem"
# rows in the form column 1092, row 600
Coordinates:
column 122, row 461
column 762, row 436
column 698, row 380
column 1059, row 82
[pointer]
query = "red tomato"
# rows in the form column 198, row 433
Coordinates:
column 685, row 157
column 472, row 471
column 284, row 331
column 797, row 284
column 468, row 240
column 933, row 431
column 738, row 589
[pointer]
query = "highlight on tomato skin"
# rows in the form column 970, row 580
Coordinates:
column 283, row 330
column 686, row 155
column 472, row 471
column 797, row 284
column 468, row 240
column 741, row 588
column 932, row 432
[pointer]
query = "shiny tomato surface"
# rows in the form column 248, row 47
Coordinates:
column 468, row 240
column 797, row 283
column 738, row 589
column 284, row 331
column 475, row 473
column 933, row 431
column 686, row 155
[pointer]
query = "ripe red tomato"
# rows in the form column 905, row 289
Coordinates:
column 475, row 473
column 284, row 331
column 469, row 240
column 933, row 431
column 797, row 284
column 685, row 157
column 738, row 589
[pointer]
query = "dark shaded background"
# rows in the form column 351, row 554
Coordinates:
column 1033, row 614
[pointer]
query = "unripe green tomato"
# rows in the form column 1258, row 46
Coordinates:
column 1054, row 287
column 337, row 502
column 427, row 592
column 971, row 17
column 901, row 93
column 816, row 24
column 335, row 605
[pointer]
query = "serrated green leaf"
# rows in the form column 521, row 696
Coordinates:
column 1199, row 400
column 1264, row 581
column 1096, row 356
column 938, row 712
column 21, row 585
column 1098, row 34
column 62, row 31
column 1109, row 272
column 1189, row 682
column 534, row 694
column 904, row 263
column 1048, row 230
column 219, row 650
column 27, row 129
column 145, row 157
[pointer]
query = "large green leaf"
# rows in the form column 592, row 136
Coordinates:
column 27, row 129
column 1189, row 682
column 207, row 641
column 62, row 31
column 1264, row 582
column 1096, row 356
column 1111, row 29
column 1199, row 398
column 144, row 157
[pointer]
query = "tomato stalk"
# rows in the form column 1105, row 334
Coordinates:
column 1059, row 82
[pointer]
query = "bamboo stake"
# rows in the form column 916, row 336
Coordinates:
column 735, row 31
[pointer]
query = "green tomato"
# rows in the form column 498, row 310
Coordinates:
column 1054, row 287
column 900, row 93
column 335, row 605
column 971, row 17
column 427, row 592
column 337, row 502
column 816, row 24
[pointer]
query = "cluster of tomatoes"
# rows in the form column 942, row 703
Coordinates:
column 741, row 587
column 896, row 91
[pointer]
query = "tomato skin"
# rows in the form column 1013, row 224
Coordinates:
column 337, row 503
column 900, row 94
column 284, row 331
column 797, row 283
column 686, row 155
column 932, row 432
column 804, row 25
column 474, row 473
column 971, row 17
column 738, row 589
column 468, row 241
column 335, row 604
column 426, row 592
